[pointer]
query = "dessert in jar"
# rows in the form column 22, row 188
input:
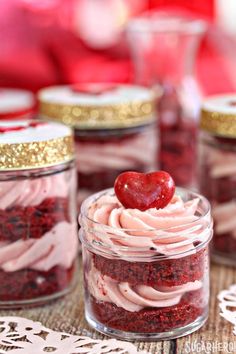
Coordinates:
column 218, row 172
column 165, row 55
column 114, row 129
column 16, row 104
column 38, row 226
column 145, row 254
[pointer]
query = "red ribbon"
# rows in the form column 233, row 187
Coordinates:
column 18, row 114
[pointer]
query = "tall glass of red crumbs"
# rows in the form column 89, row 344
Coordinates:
column 146, row 273
column 163, row 47
column 114, row 128
column 38, row 228
column 218, row 172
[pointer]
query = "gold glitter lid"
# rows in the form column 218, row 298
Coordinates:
column 34, row 144
column 98, row 106
column 218, row 115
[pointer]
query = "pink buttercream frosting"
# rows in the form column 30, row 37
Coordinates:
column 58, row 247
column 126, row 154
column 135, row 298
column 224, row 215
column 168, row 231
column 222, row 163
column 31, row 192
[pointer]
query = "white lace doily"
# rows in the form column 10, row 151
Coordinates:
column 22, row 336
column 227, row 300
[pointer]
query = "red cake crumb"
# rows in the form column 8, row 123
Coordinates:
column 168, row 272
column 220, row 190
column 150, row 320
column 19, row 222
column 225, row 243
column 30, row 284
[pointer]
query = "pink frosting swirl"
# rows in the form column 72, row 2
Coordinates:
column 59, row 246
column 126, row 154
column 224, row 215
column 222, row 163
column 168, row 231
column 135, row 298
column 32, row 192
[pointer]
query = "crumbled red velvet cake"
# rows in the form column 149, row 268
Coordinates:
column 33, row 222
column 29, row 284
column 178, row 140
column 19, row 222
column 170, row 272
column 150, row 320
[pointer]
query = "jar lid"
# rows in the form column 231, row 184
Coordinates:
column 33, row 144
column 98, row 106
column 218, row 115
column 15, row 103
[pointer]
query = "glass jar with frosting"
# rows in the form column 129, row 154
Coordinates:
column 114, row 129
column 38, row 227
column 16, row 104
column 218, row 172
column 146, row 271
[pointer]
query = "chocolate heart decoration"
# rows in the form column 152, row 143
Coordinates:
column 143, row 191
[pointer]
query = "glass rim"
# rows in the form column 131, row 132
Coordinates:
column 162, row 22
column 144, row 253
column 87, row 202
column 140, row 256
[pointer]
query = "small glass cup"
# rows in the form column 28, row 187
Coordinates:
column 38, row 226
column 156, row 288
column 218, row 172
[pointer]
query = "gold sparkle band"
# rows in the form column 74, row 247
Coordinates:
column 219, row 123
column 100, row 117
column 31, row 155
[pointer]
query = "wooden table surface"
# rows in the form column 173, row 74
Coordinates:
column 67, row 315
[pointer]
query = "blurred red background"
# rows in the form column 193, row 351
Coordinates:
column 48, row 42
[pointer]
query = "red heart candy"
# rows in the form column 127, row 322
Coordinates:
column 143, row 191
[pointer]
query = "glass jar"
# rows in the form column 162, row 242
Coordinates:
column 38, row 226
column 114, row 130
column 163, row 48
column 218, row 172
column 143, row 282
column 16, row 104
